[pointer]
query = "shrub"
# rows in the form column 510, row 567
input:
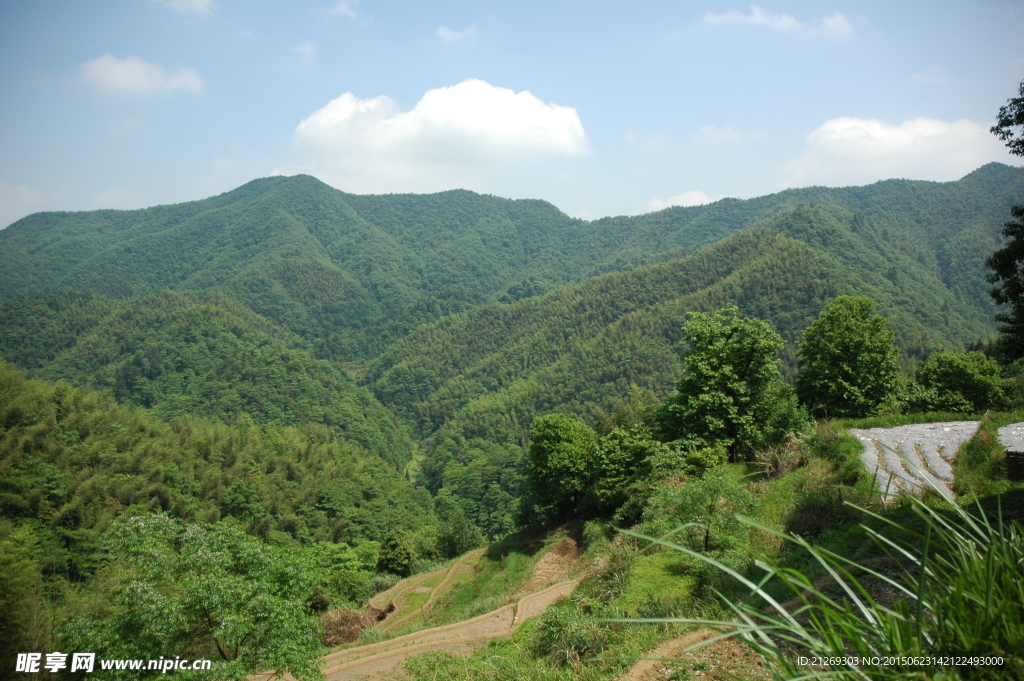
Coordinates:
column 966, row 382
column 703, row 511
column 567, row 636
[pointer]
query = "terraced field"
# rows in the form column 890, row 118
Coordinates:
column 921, row 456
column 916, row 457
column 411, row 600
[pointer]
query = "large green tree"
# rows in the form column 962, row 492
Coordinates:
column 397, row 553
column 1007, row 263
column 622, row 461
column 848, row 360
column 560, row 464
column 730, row 387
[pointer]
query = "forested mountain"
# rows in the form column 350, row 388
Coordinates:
column 194, row 353
column 453, row 319
column 354, row 273
column 582, row 346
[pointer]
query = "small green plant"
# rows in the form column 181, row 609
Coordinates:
column 612, row 579
column 567, row 636
column 371, row 635
column 781, row 459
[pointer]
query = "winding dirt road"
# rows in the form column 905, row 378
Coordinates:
column 380, row 660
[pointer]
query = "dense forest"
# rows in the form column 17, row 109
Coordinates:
column 353, row 273
column 369, row 381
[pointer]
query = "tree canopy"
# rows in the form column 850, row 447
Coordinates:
column 848, row 360
column 560, row 464
column 1007, row 263
column 731, row 378
column 1009, row 123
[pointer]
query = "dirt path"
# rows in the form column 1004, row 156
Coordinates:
column 380, row 660
column 724, row 660
column 665, row 656
column 555, row 565
column 458, row 567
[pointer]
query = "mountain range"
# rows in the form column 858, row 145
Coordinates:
column 436, row 327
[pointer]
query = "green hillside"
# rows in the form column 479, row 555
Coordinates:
column 580, row 347
column 194, row 353
column 356, row 272
column 306, row 393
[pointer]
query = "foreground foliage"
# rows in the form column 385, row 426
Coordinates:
column 202, row 592
column 959, row 601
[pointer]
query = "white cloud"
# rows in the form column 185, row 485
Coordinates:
column 833, row 26
column 934, row 75
column 132, row 75
column 450, row 36
column 691, row 198
column 450, row 137
column 346, row 8
column 851, row 151
column 16, row 202
column 187, row 6
column 306, row 48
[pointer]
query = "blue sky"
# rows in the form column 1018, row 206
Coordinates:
column 601, row 108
